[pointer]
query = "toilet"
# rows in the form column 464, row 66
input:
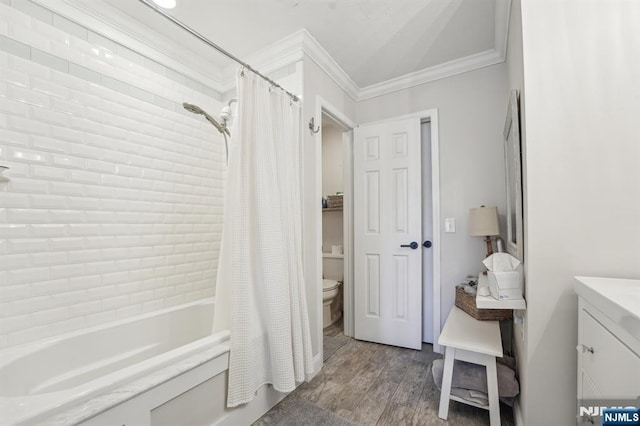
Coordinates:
column 332, row 272
column 330, row 305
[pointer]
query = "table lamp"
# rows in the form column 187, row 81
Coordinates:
column 484, row 223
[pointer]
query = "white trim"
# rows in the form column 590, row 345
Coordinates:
column 317, row 226
column 283, row 52
column 278, row 55
column 321, row 106
column 288, row 50
column 348, row 287
column 448, row 69
column 321, row 57
column 435, row 197
column 437, row 72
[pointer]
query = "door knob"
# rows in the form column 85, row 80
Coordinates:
column 427, row 244
column 413, row 245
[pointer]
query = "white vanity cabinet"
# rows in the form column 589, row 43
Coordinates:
column 608, row 340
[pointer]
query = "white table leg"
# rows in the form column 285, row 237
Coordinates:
column 447, row 376
column 492, row 390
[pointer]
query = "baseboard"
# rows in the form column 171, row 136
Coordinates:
column 517, row 413
column 317, row 366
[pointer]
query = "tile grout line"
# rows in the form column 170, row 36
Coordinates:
column 76, row 29
column 392, row 395
column 90, row 76
column 369, row 388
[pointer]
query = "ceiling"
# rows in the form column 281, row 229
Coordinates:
column 372, row 41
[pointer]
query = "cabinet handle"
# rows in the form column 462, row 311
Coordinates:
column 583, row 348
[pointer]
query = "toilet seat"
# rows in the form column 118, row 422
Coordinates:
column 328, row 285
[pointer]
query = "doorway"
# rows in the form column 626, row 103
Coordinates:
column 430, row 323
column 334, row 225
column 333, row 236
column 396, row 241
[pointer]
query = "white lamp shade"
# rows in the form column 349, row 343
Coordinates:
column 483, row 221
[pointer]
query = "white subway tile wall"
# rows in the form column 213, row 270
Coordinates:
column 114, row 205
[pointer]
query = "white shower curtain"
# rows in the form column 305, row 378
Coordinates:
column 260, row 294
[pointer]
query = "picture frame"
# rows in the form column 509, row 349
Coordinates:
column 513, row 179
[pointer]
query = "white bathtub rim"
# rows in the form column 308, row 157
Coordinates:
column 50, row 403
column 12, row 353
column 212, row 357
column 21, row 409
column 36, row 407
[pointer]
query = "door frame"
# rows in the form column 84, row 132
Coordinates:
column 325, row 107
column 432, row 116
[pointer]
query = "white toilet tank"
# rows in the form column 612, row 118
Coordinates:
column 332, row 267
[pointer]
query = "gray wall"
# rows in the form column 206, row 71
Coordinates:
column 471, row 108
column 316, row 83
column 581, row 71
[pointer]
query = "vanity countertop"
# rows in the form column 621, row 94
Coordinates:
column 617, row 298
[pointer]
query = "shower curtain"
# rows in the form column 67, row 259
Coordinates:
column 260, row 293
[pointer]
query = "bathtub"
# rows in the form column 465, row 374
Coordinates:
column 153, row 369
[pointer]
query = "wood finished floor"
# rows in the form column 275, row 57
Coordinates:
column 372, row 384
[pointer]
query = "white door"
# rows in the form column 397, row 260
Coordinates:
column 387, row 216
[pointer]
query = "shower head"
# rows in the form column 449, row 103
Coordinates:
column 195, row 109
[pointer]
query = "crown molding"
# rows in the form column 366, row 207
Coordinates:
column 458, row 66
column 294, row 48
column 437, row 72
column 288, row 47
column 314, row 51
column 272, row 58
column 106, row 20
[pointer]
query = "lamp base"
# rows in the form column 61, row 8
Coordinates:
column 488, row 240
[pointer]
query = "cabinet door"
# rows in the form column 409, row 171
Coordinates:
column 589, row 401
column 587, row 390
column 613, row 368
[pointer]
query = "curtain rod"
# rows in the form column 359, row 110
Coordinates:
column 205, row 40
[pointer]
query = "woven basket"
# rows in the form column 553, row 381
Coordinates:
column 467, row 302
column 334, row 201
